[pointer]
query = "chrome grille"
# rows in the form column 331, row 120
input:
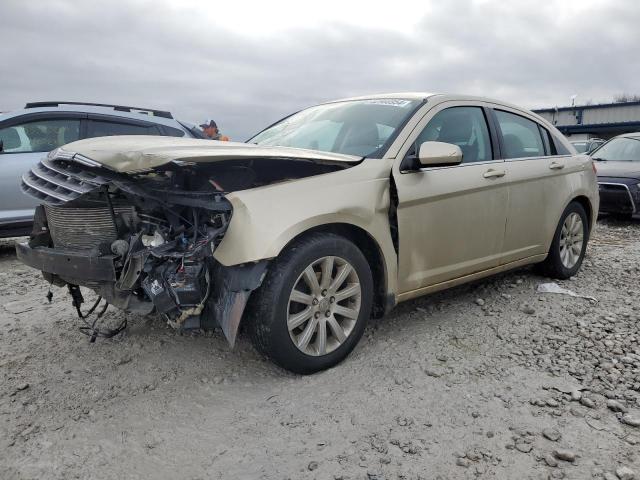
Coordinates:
column 59, row 181
column 84, row 228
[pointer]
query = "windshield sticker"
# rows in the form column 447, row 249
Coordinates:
column 393, row 102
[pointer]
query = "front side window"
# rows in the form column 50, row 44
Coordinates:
column 39, row 135
column 465, row 127
column 98, row 128
column 621, row 149
column 357, row 127
column 520, row 136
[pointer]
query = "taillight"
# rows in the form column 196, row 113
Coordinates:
column 593, row 165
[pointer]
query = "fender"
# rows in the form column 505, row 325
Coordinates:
column 266, row 219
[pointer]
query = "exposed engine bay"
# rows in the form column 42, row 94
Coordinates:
column 144, row 241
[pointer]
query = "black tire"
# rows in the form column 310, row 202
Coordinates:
column 269, row 305
column 552, row 266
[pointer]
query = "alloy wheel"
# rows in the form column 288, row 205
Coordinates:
column 571, row 240
column 324, row 306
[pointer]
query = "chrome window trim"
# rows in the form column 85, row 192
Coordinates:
column 459, row 165
column 544, row 157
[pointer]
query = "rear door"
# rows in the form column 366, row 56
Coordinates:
column 26, row 140
column 537, row 183
column 451, row 219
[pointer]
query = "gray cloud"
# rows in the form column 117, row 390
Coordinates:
column 151, row 54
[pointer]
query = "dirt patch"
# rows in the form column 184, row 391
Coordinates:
column 489, row 380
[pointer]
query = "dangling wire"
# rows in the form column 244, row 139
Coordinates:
column 94, row 332
column 90, row 329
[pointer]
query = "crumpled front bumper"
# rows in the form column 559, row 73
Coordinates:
column 68, row 264
column 231, row 286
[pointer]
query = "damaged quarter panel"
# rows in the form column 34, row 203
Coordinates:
column 266, row 219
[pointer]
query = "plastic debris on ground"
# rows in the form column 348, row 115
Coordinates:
column 555, row 288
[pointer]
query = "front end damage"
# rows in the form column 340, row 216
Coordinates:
column 144, row 240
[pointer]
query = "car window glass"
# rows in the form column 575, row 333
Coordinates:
column 594, row 144
column 39, row 135
column 520, row 136
column 173, row 132
column 354, row 127
column 546, row 140
column 98, row 128
column 560, row 146
column 465, row 127
column 320, row 135
column 581, row 147
column 622, row 149
column 384, row 131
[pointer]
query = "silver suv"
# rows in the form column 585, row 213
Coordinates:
column 26, row 135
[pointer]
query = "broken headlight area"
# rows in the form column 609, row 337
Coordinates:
column 143, row 242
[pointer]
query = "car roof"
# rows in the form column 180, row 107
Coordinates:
column 629, row 135
column 397, row 95
column 421, row 96
column 103, row 110
column 424, row 96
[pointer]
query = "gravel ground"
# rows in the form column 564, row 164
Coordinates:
column 488, row 380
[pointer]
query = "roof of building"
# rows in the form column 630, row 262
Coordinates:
column 583, row 107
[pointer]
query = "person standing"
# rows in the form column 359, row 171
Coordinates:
column 210, row 130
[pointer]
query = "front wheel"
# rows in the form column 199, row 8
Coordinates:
column 569, row 243
column 314, row 304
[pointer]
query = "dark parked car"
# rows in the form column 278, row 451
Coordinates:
column 619, row 175
column 26, row 135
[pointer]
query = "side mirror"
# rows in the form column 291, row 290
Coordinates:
column 439, row 153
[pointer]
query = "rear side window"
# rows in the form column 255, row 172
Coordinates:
column 98, row 128
column 465, row 127
column 39, row 135
column 520, row 136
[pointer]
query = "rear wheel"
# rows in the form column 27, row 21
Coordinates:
column 569, row 243
column 313, row 306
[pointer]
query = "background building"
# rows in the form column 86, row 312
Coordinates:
column 604, row 120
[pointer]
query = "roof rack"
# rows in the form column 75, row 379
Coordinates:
column 120, row 108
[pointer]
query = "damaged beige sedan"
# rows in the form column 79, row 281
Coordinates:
column 322, row 220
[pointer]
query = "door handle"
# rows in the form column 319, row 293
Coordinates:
column 491, row 173
column 556, row 166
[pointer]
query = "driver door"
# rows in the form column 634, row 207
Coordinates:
column 451, row 219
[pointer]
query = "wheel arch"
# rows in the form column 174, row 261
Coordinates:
column 588, row 208
column 586, row 203
column 382, row 301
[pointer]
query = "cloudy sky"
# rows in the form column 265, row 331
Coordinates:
column 246, row 64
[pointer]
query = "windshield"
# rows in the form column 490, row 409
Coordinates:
column 358, row 127
column 621, row 149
